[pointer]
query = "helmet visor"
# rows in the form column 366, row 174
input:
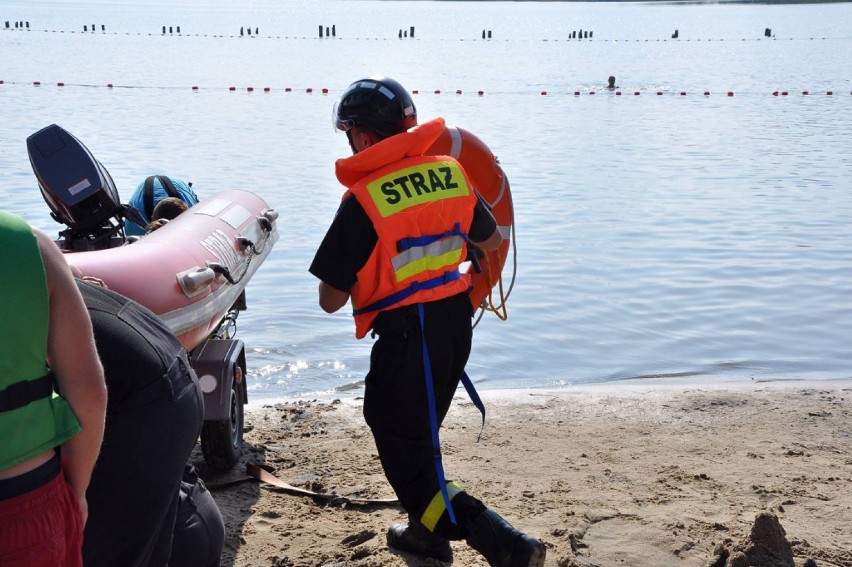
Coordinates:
column 340, row 124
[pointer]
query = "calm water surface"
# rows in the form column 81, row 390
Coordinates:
column 690, row 237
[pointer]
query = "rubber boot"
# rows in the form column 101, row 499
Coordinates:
column 415, row 538
column 501, row 544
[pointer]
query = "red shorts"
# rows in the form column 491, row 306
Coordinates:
column 42, row 528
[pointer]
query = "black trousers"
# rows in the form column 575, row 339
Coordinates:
column 199, row 529
column 395, row 399
column 133, row 494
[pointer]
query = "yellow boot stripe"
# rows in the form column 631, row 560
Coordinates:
column 437, row 506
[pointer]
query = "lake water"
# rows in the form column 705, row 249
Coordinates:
column 659, row 237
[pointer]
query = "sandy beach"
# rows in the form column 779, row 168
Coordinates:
column 639, row 476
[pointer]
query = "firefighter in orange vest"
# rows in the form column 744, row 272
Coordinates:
column 394, row 248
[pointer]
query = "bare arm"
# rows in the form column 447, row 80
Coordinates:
column 74, row 360
column 330, row 298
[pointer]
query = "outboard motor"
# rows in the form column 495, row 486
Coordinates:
column 79, row 190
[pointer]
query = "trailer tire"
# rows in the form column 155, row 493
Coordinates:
column 222, row 440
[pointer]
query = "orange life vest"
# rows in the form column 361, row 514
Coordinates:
column 421, row 208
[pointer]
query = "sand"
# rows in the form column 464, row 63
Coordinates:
column 639, row 476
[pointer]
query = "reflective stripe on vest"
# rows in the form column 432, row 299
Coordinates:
column 428, row 253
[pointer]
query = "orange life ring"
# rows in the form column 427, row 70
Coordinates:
column 491, row 183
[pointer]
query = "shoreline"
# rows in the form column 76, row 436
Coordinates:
column 627, row 386
column 604, row 474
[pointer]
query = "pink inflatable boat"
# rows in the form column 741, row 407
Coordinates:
column 194, row 269
column 192, row 272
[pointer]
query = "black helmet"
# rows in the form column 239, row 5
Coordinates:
column 378, row 103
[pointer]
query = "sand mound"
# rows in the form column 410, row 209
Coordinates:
column 766, row 546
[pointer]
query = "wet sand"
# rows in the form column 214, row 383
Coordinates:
column 640, row 476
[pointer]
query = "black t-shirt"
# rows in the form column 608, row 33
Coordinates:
column 351, row 238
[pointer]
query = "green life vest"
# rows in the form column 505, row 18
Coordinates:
column 32, row 420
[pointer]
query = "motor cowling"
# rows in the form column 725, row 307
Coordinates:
column 77, row 187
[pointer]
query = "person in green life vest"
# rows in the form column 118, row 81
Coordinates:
column 52, row 402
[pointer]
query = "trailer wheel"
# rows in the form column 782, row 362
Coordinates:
column 222, row 440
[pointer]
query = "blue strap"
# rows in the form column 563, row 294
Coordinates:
column 433, row 419
column 403, row 294
column 406, row 243
column 477, row 401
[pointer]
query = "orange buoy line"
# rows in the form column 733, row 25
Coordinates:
column 458, row 92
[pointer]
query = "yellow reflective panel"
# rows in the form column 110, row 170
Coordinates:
column 418, row 184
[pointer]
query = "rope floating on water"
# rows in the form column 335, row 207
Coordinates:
column 458, row 92
column 329, row 32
